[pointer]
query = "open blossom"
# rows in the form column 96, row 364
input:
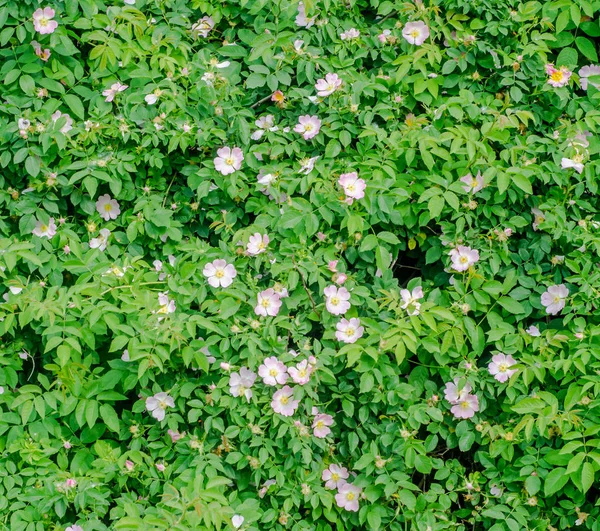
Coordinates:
column 301, row 372
column 240, row 384
column 347, row 497
column 45, row 230
column 566, row 163
column 301, row 19
column 337, row 300
column 68, row 121
column 166, row 305
column 415, row 32
column 283, row 401
column 158, row 404
column 107, row 208
column 237, row 520
column 589, row 71
column 354, row 188
column 473, row 184
column 554, row 298
column 257, row 243
column 350, row 34
column 538, row 217
column 349, row 331
column 264, row 123
column 558, row 77
column 463, row 257
column 268, row 303
column 204, row 26
column 500, row 365
column 453, row 393
column 308, row 126
column 101, row 241
column 328, row 85
column 42, row 21
column 307, row 165
column 321, row 425
column 466, row 407
column 335, row 476
column 114, row 89
column 219, row 273
column 410, row 300
column 229, row 160
column 273, row 371
column 44, row 55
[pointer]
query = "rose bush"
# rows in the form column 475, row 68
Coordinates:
column 316, row 265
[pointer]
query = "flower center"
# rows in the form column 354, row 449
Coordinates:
column 557, row 76
column 273, row 372
column 463, row 259
column 350, row 331
column 350, row 188
column 265, row 303
column 503, row 367
column 229, row 161
column 335, row 477
column 415, row 33
column 556, row 299
column 335, row 301
column 162, row 405
column 44, row 21
column 308, row 127
column 350, row 496
column 320, row 424
column 284, row 400
column 464, row 404
column 44, row 228
column 108, row 207
column 219, row 273
column 474, row 183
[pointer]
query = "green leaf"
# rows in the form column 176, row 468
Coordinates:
column 587, row 48
column 587, row 476
column 32, row 165
column 522, row 182
column 555, row 481
column 110, row 418
column 511, row 305
column 435, row 205
column 567, row 57
column 75, row 105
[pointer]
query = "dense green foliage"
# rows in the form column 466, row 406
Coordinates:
column 270, row 265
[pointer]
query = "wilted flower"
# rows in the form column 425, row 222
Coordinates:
column 204, row 26
column 229, row 160
column 44, row 55
column 349, row 331
column 539, row 217
column 337, row 300
column 554, row 298
column 107, row 208
column 500, row 365
column 533, row 331
column 42, row 21
column 301, row 19
column 101, row 241
column 415, row 32
column 308, row 126
column 268, row 303
column 166, row 305
column 158, row 404
column 219, row 273
column 68, row 123
column 558, row 77
column 347, row 497
column 307, row 165
column 410, row 300
column 273, row 371
column 283, row 401
column 350, row 34
column 114, row 89
column 566, row 163
column 328, row 85
column 463, row 257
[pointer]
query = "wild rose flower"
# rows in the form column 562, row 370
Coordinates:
column 42, row 21
column 114, row 89
column 153, row 97
column 301, row 372
column 340, row 278
column 410, row 300
column 321, row 425
column 308, row 126
column 268, row 303
column 500, row 365
column 350, row 34
column 263, row 491
column 466, row 407
column 533, row 331
column 328, row 85
column 204, row 26
column 453, row 393
column 566, row 163
column 237, row 520
column 129, row 465
column 273, row 372
column 473, row 184
column 283, row 402
column 354, row 188
column 44, row 55
column 68, row 123
column 589, row 71
column 166, row 305
column 229, row 160
column 45, row 230
column 415, row 32
column 349, row 331
column 257, row 243
column 463, row 257
column 240, row 384
column 301, row 19
column 384, row 36
column 347, row 497
column 307, row 165
column 554, row 298
column 219, row 273
column 107, row 208
column 335, row 476
column 175, row 435
column 558, row 78
column 337, row 300
column 264, row 123
column 281, row 290
column 158, row 404
column 539, row 217
column 101, row 241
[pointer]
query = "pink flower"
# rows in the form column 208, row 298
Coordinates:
column 175, row 435
column 74, row 528
column 347, row 497
column 354, row 188
column 42, row 21
column 463, row 257
column 70, row 483
column 273, row 371
column 453, row 393
column 500, row 365
column 129, row 465
column 473, row 184
column 114, row 89
column 328, row 85
column 384, row 36
column 107, row 208
column 229, row 160
column 539, row 217
column 166, row 305
column 45, row 230
column 335, row 476
column 301, row 19
column 415, row 32
column 265, row 487
column 269, row 303
column 558, row 78
column 589, row 71
column 283, row 402
column 340, row 278
column 301, row 373
column 349, row 331
column 219, row 273
column 570, row 163
column 352, row 33
column 533, row 331
column 321, row 425
column 160, row 467
column 67, row 445
column 410, row 300
column 554, row 298
column 332, row 266
column 240, row 383
column 158, row 404
column 44, row 55
column 466, row 407
column 257, row 243
column 337, row 300
column 68, row 121
column 308, row 126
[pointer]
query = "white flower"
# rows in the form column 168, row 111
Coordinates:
column 240, row 383
column 410, row 300
column 101, row 241
column 257, row 244
column 68, row 123
column 554, row 298
column 158, row 403
column 349, row 331
column 415, row 32
column 588, row 71
column 307, row 165
column 570, row 163
column 533, row 331
column 204, row 26
column 219, row 273
column 301, row 18
column 166, row 305
column 237, row 521
column 45, row 230
column 539, row 217
column 107, row 208
column 152, row 98
column 114, row 89
column 352, row 33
